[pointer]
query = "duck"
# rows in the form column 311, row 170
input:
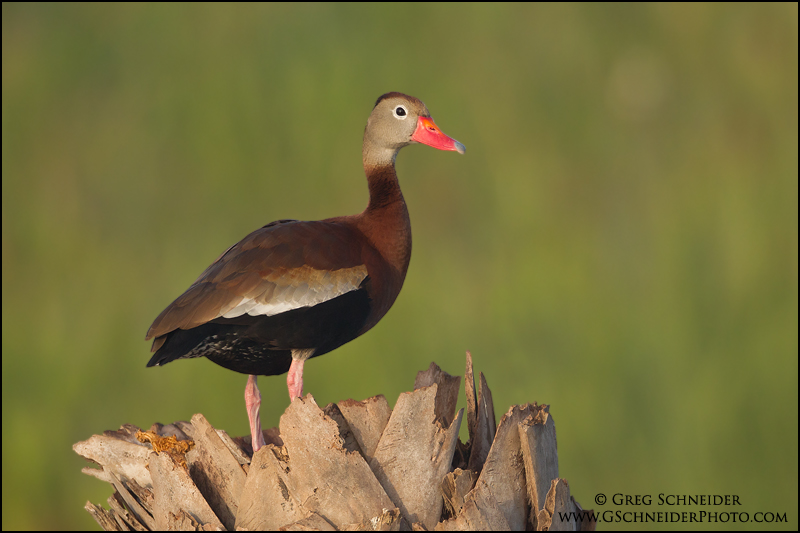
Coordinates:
column 293, row 290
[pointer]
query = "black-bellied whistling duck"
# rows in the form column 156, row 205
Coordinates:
column 293, row 290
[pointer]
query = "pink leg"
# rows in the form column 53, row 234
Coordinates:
column 252, row 399
column 294, row 379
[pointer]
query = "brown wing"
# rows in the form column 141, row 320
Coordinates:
column 285, row 265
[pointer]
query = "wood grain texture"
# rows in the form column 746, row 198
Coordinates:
column 414, row 454
column 446, row 391
column 216, row 472
column 537, row 434
column 173, row 488
column 503, row 473
column 455, row 487
column 330, row 481
column 125, row 459
column 367, row 419
column 266, row 503
column 482, row 432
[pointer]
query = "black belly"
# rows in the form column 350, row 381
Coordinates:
column 263, row 345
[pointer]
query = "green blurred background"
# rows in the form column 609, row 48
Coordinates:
column 619, row 241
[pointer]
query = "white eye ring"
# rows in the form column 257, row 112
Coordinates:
column 400, row 112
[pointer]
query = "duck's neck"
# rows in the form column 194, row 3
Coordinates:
column 386, row 220
column 384, row 189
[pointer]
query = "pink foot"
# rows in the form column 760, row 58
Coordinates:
column 252, row 400
column 294, row 379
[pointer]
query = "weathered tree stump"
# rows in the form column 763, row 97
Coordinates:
column 351, row 466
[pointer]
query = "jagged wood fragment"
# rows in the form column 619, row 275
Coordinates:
column 126, row 459
column 414, row 454
column 455, row 487
column 446, row 392
column 143, row 496
column 103, row 517
column 266, row 503
column 328, row 480
column 487, row 424
column 558, row 504
column 503, row 474
column 539, row 452
column 367, row 420
column 482, row 433
column 96, row 473
column 116, row 504
column 349, row 441
column 236, row 451
column 174, row 492
column 133, row 504
column 481, row 512
column 472, row 401
column 215, row 471
column 120, row 522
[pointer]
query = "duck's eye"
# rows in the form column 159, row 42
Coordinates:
column 400, row 112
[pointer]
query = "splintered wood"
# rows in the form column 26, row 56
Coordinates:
column 357, row 466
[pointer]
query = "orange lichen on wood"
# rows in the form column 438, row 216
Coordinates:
column 171, row 445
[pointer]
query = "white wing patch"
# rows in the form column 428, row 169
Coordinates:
column 285, row 289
